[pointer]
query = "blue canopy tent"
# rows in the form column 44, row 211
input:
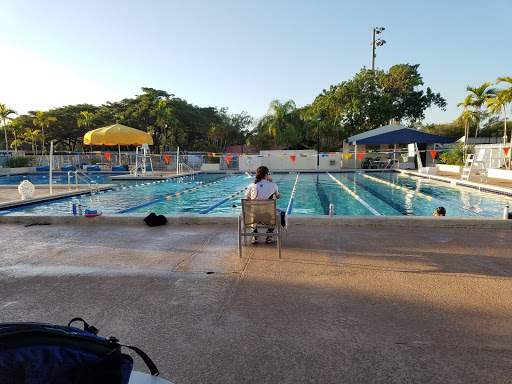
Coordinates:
column 397, row 134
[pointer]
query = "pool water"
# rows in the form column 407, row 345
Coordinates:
column 57, row 178
column 386, row 193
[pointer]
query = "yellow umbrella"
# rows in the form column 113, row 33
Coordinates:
column 117, row 134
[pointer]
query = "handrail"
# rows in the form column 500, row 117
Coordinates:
column 190, row 169
column 77, row 176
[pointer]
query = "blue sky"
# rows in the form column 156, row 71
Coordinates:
column 240, row 54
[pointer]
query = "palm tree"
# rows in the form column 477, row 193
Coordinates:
column 4, row 117
column 42, row 119
column 477, row 98
column 16, row 128
column 279, row 118
column 499, row 102
column 32, row 136
column 163, row 114
column 467, row 117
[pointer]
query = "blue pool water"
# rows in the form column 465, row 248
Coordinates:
column 386, row 193
column 57, row 178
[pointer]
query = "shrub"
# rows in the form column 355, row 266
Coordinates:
column 16, row 162
column 456, row 156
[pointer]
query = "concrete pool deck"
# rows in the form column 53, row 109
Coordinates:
column 351, row 304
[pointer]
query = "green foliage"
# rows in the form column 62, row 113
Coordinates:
column 214, row 160
column 455, row 157
column 453, row 130
column 371, row 99
column 16, row 162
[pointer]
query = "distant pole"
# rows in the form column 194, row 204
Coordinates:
column 178, row 160
column 318, row 118
column 376, row 43
column 51, row 167
column 373, row 48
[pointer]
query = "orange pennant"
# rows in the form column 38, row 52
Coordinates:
column 433, row 154
column 293, row 158
column 166, row 157
column 107, row 155
column 332, row 153
column 360, row 156
column 506, row 150
column 228, row 159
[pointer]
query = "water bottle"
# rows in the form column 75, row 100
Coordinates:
column 505, row 212
column 233, row 209
column 74, row 208
column 79, row 209
column 331, row 210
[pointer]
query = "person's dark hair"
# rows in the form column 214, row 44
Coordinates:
column 441, row 211
column 261, row 172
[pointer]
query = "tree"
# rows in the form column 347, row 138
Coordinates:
column 499, row 103
column 4, row 117
column 477, row 98
column 42, row 120
column 163, row 116
column 373, row 98
column 87, row 120
column 280, row 118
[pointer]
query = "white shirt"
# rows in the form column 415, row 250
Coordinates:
column 262, row 190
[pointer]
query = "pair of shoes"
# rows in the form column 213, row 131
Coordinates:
column 270, row 240
column 254, row 240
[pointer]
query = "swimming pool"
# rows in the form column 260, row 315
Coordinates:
column 380, row 194
column 57, row 178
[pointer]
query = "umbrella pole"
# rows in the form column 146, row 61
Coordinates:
column 119, row 148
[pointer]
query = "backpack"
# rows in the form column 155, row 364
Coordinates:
column 38, row 353
column 153, row 219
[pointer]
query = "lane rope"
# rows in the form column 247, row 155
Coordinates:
column 178, row 194
column 292, row 198
column 419, row 194
column 353, row 194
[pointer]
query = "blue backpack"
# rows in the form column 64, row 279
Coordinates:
column 37, row 353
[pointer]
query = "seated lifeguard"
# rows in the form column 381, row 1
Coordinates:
column 262, row 188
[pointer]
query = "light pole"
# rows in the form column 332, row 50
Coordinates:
column 318, row 118
column 165, row 137
column 377, row 43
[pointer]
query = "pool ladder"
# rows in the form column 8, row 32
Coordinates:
column 183, row 166
column 85, row 178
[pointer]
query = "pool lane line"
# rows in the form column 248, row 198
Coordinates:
column 353, row 194
column 292, row 198
column 178, row 194
column 419, row 194
column 222, row 201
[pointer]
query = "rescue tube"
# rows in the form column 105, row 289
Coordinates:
column 93, row 214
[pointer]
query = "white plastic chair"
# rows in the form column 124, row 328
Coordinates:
column 259, row 214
